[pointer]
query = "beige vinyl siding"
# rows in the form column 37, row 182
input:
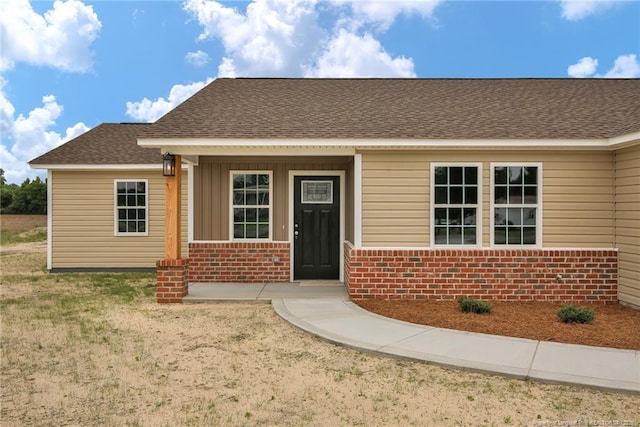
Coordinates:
column 577, row 195
column 83, row 215
column 627, row 166
column 211, row 190
column 395, row 199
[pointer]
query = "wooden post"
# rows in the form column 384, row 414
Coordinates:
column 173, row 208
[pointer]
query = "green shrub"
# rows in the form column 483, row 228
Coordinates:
column 470, row 305
column 573, row 314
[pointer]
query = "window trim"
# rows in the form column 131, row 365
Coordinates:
column 231, row 205
column 432, row 209
column 538, row 205
column 118, row 233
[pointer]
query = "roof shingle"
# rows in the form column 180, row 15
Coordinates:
column 406, row 109
column 371, row 109
column 106, row 144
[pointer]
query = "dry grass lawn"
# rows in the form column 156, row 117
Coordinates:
column 95, row 349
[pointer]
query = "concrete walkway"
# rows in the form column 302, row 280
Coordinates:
column 324, row 310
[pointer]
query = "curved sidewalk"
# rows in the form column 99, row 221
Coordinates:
column 342, row 322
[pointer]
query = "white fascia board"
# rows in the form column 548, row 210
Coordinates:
column 265, row 147
column 98, row 167
column 102, row 167
column 348, row 146
column 627, row 140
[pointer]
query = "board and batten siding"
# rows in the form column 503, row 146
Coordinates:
column 578, row 200
column 211, row 191
column 627, row 197
column 83, row 216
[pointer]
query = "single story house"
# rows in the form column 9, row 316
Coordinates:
column 516, row 189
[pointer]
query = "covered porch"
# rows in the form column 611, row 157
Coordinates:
column 258, row 225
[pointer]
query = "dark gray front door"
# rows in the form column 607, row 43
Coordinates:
column 316, row 228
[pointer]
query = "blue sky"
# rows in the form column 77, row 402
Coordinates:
column 67, row 66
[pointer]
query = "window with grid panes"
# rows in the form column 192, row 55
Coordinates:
column 131, row 207
column 251, row 205
column 455, row 204
column 515, row 205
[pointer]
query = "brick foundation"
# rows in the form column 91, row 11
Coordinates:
column 239, row 262
column 490, row 274
column 172, row 276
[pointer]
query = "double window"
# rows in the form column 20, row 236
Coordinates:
column 131, row 207
column 516, row 204
column 456, row 201
column 251, row 205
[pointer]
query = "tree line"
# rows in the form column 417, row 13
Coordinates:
column 28, row 198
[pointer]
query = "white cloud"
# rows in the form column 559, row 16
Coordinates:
column 586, row 67
column 197, row 58
column 226, row 68
column 31, row 136
column 385, row 12
column 149, row 111
column 575, row 10
column 625, row 66
column 349, row 55
column 285, row 38
column 273, row 37
column 6, row 110
column 61, row 38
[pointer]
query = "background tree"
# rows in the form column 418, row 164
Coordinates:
column 29, row 198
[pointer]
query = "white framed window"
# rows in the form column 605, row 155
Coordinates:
column 251, row 205
column 131, row 200
column 456, row 200
column 516, row 204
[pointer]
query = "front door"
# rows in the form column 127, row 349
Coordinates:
column 316, row 227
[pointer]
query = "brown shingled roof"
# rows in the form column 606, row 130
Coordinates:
column 406, row 108
column 106, row 144
column 372, row 109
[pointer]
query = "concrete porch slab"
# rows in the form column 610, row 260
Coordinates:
column 260, row 292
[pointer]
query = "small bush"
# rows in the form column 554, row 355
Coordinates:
column 470, row 305
column 573, row 314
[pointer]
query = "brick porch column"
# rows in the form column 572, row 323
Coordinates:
column 172, row 276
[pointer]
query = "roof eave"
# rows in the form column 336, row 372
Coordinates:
column 623, row 141
column 277, row 146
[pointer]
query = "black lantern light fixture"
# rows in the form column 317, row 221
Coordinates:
column 168, row 165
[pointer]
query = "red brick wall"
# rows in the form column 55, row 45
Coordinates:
column 518, row 275
column 172, row 275
column 240, row 262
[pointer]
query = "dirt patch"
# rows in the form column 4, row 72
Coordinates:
column 21, row 248
column 615, row 325
column 21, row 222
column 25, row 243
